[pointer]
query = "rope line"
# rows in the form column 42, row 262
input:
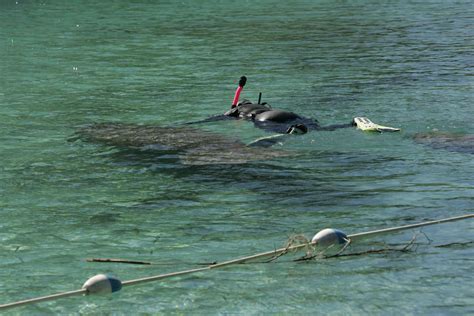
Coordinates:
column 105, row 284
column 43, row 299
column 399, row 228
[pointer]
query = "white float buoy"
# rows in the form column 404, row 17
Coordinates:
column 332, row 241
column 102, row 284
column 328, row 237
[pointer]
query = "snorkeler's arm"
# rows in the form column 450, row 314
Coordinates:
column 214, row 118
column 333, row 127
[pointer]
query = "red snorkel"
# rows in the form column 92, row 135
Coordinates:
column 242, row 82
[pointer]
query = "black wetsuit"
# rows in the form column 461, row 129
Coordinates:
column 278, row 121
column 272, row 120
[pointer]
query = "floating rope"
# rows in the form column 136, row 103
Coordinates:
column 327, row 238
column 118, row 261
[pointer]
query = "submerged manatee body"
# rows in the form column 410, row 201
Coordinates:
column 448, row 141
column 193, row 146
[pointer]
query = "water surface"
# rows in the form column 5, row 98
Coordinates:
column 66, row 65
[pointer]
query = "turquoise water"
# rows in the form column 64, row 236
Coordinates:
column 64, row 65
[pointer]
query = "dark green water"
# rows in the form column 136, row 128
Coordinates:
column 65, row 64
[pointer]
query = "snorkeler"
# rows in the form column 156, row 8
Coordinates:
column 284, row 122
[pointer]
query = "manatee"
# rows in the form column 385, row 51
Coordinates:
column 453, row 142
column 193, row 146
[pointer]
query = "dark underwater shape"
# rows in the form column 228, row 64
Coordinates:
column 193, row 146
column 447, row 141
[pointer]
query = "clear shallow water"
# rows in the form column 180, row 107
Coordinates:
column 64, row 65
